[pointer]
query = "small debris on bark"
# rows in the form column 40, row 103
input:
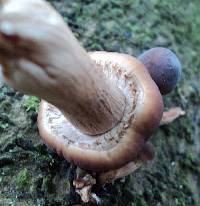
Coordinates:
column 172, row 114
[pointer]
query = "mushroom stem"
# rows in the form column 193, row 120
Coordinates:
column 89, row 101
column 41, row 56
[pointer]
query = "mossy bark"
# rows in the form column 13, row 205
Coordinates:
column 30, row 174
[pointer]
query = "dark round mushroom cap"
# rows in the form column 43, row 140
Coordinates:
column 163, row 66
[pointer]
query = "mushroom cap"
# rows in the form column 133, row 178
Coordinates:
column 163, row 66
column 147, row 153
column 123, row 143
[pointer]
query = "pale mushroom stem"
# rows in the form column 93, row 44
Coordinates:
column 89, row 101
column 45, row 49
column 92, row 103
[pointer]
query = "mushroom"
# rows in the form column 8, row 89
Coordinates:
column 121, row 144
column 163, row 66
column 98, row 110
column 165, row 69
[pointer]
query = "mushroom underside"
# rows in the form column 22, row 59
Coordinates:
column 111, row 150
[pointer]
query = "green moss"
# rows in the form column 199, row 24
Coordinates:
column 23, row 179
column 3, row 125
column 32, row 104
column 190, row 161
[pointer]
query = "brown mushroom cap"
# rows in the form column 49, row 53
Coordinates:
column 123, row 143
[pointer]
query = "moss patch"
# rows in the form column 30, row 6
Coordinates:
column 31, row 104
column 23, row 179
